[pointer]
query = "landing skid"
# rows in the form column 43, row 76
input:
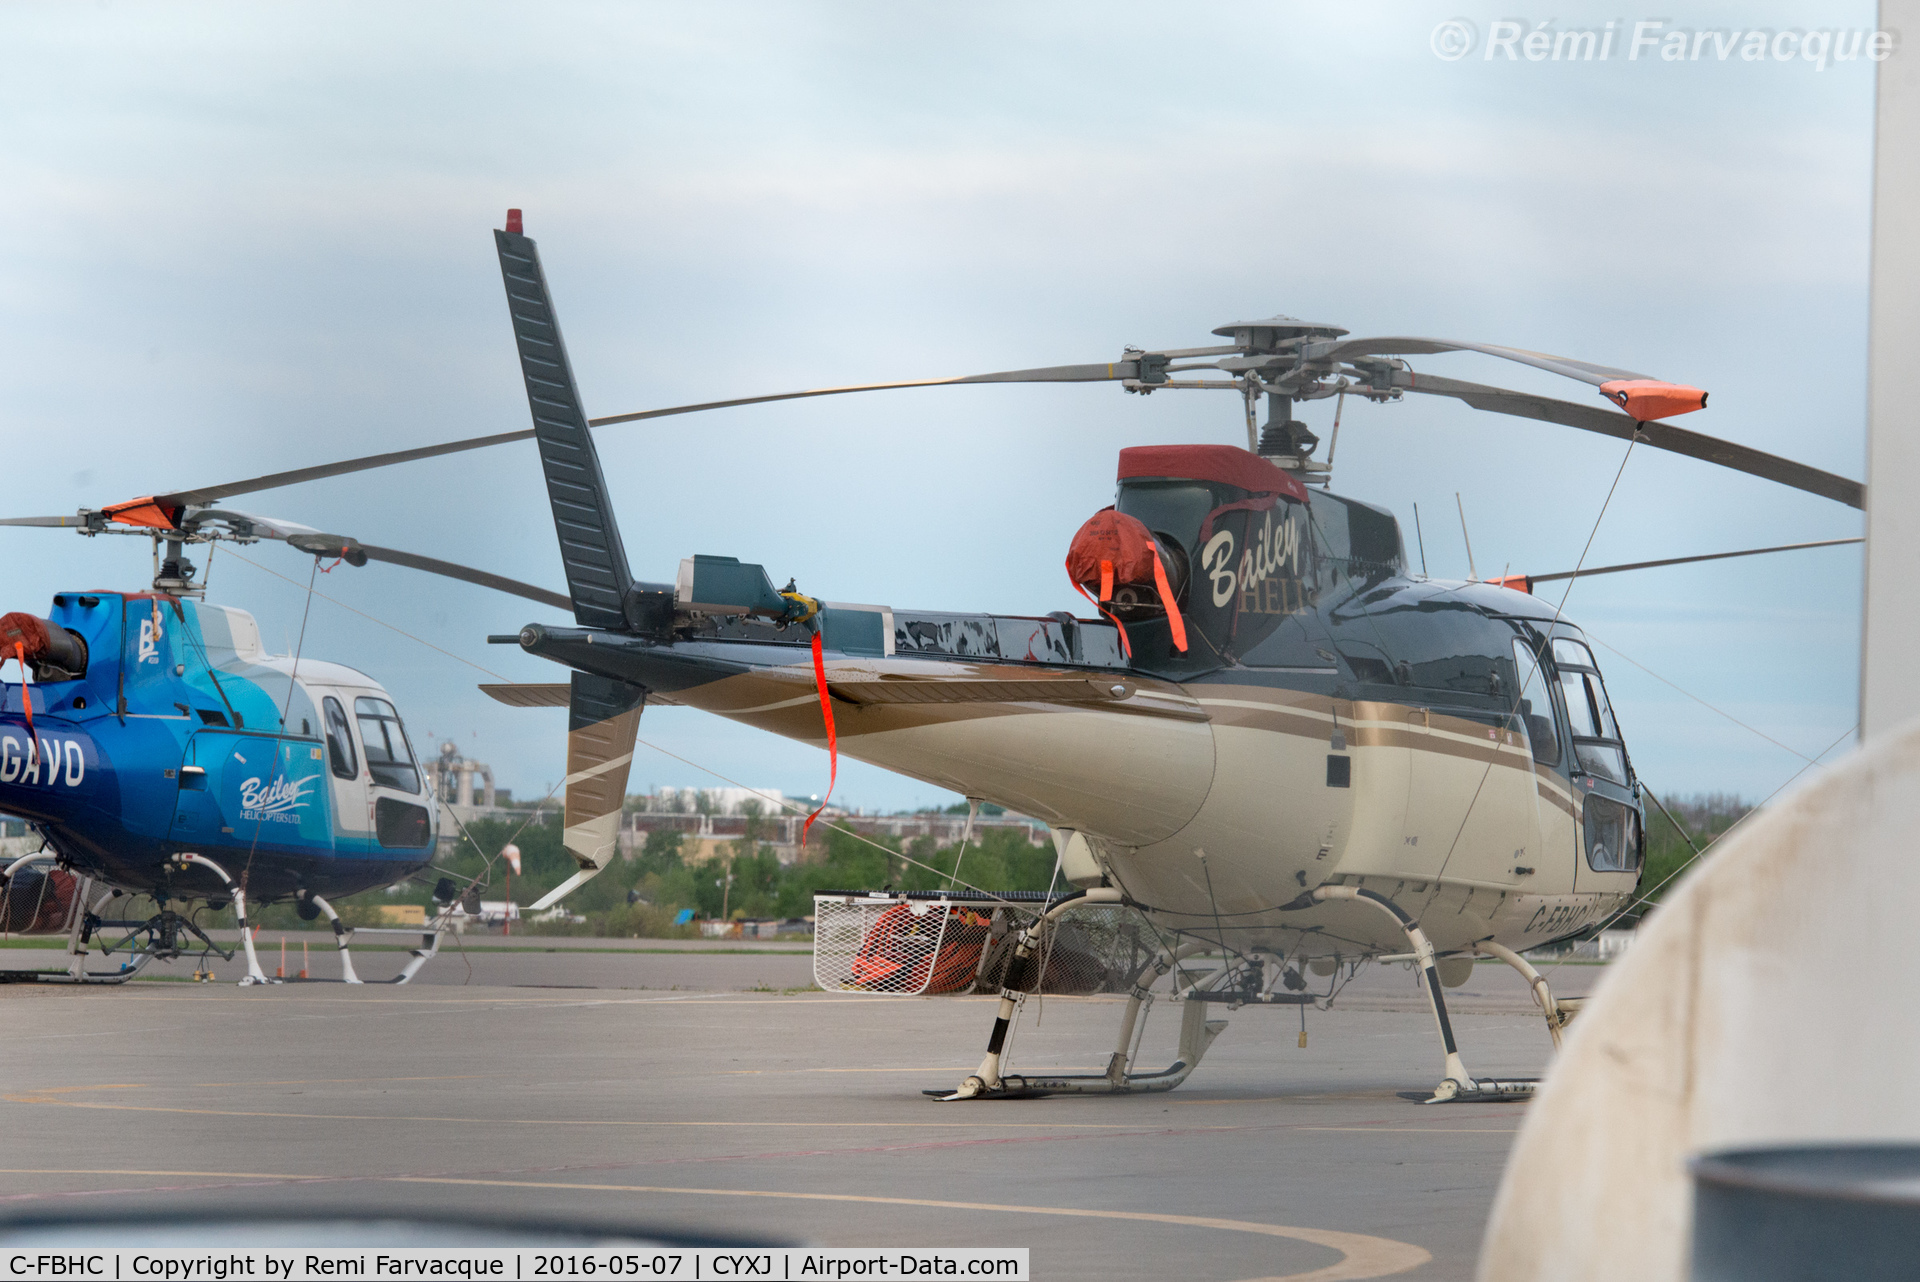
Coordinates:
column 1196, row 1030
column 163, row 931
column 165, row 935
column 1227, row 985
column 81, row 923
column 1486, row 1090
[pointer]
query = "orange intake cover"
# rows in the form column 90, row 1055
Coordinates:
column 29, row 631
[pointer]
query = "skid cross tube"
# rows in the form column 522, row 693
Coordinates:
column 1458, row 1083
column 1139, row 999
column 254, row 974
column 1557, row 1013
column 343, row 934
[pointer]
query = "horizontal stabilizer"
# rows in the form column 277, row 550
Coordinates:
column 539, row 694
column 531, row 695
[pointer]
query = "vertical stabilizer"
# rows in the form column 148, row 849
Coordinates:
column 596, row 563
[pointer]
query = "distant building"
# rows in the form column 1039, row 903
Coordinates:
column 451, row 776
column 723, row 817
column 712, row 801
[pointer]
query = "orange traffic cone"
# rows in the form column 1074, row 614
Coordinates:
column 303, row 959
column 280, row 972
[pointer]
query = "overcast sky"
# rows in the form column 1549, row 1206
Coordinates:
column 241, row 238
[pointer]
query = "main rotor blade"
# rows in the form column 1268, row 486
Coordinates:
column 1660, row 435
column 324, row 545
column 1687, row 560
column 274, row 480
column 48, row 522
column 1348, row 348
column 1110, row 372
column 467, row 574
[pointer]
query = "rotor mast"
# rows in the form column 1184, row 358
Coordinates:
column 1268, row 358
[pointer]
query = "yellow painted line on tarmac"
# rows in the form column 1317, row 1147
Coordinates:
column 1365, row 1256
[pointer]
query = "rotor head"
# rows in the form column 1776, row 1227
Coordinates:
column 1268, row 335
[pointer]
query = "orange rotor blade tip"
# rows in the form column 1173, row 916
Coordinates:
column 513, row 222
column 1647, row 398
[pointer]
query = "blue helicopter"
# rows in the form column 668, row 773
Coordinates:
column 159, row 749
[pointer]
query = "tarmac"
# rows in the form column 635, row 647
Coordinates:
column 709, row 1089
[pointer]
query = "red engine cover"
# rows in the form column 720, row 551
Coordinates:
column 29, row 631
column 1113, row 548
column 1113, row 537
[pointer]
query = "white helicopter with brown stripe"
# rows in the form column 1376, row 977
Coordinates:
column 1273, row 743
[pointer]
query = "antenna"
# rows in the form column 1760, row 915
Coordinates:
column 1471, row 572
column 1422, row 538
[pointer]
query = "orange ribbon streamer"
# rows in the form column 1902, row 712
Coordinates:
column 1174, row 621
column 833, row 745
column 20, row 652
column 1106, row 594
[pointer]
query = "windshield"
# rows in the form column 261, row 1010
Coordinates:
column 1596, row 737
column 389, row 759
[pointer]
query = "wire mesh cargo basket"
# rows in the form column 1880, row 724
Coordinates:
column 922, row 943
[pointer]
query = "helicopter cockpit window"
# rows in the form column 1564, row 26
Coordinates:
column 1536, row 706
column 1596, row 738
column 339, row 741
column 1613, row 835
column 389, row 758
